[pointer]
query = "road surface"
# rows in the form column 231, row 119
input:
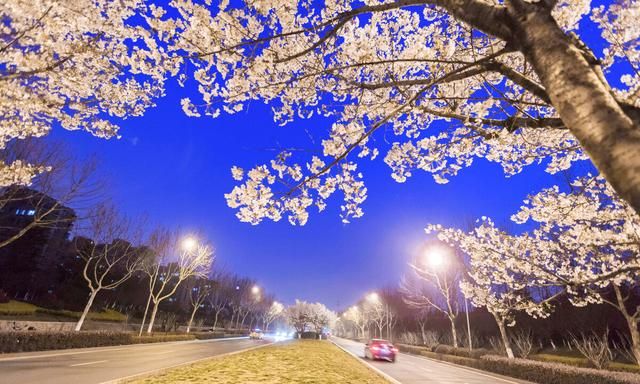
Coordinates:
column 102, row 365
column 409, row 369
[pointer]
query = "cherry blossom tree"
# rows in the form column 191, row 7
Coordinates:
column 585, row 244
column 321, row 317
column 298, row 316
column 274, row 312
column 80, row 65
column 511, row 81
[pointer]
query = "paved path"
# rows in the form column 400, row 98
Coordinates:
column 409, row 369
column 100, row 365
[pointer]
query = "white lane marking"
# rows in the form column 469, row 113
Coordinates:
column 89, row 363
column 58, row 354
column 117, row 348
column 158, row 370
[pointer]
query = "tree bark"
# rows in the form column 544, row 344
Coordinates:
column 215, row 320
column 608, row 135
column 454, row 332
column 635, row 338
column 152, row 319
column 144, row 317
column 632, row 323
column 505, row 338
column 87, row 307
column 423, row 334
column 193, row 314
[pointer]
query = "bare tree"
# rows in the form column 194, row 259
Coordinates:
column 197, row 296
column 435, row 286
column 63, row 182
column 176, row 260
column 220, row 295
column 109, row 258
column 595, row 347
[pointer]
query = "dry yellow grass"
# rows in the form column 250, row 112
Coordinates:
column 300, row 362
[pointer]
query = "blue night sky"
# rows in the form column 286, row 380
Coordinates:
column 176, row 170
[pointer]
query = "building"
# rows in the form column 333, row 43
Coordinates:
column 34, row 231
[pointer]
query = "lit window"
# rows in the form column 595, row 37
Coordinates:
column 31, row 212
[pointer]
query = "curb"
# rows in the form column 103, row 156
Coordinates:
column 153, row 372
column 366, row 364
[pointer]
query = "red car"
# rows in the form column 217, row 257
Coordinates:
column 379, row 349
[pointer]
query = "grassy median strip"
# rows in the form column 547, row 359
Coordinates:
column 299, row 361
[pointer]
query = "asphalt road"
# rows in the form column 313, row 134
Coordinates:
column 409, row 369
column 103, row 365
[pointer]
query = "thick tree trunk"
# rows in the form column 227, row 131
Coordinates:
column 87, row 307
column 152, row 319
column 609, row 136
column 632, row 323
column 144, row 317
column 505, row 338
column 454, row 332
column 635, row 338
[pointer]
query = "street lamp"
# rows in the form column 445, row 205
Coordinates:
column 189, row 243
column 436, row 258
column 255, row 290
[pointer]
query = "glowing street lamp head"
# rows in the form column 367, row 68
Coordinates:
column 436, row 257
column 255, row 289
column 189, row 243
column 373, row 297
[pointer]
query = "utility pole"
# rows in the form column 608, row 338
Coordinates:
column 466, row 310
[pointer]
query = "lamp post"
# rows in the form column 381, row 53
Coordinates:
column 375, row 298
column 437, row 258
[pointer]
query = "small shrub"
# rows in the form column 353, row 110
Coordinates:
column 308, row 335
column 38, row 341
column 161, row 338
column 208, row 335
column 17, row 308
column 463, row 352
column 431, row 338
column 411, row 338
column 497, row 346
column 523, row 343
column 552, row 373
column 4, row 298
column 416, row 350
column 594, row 348
column 24, row 341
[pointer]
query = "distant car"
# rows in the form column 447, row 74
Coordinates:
column 379, row 349
column 256, row 334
